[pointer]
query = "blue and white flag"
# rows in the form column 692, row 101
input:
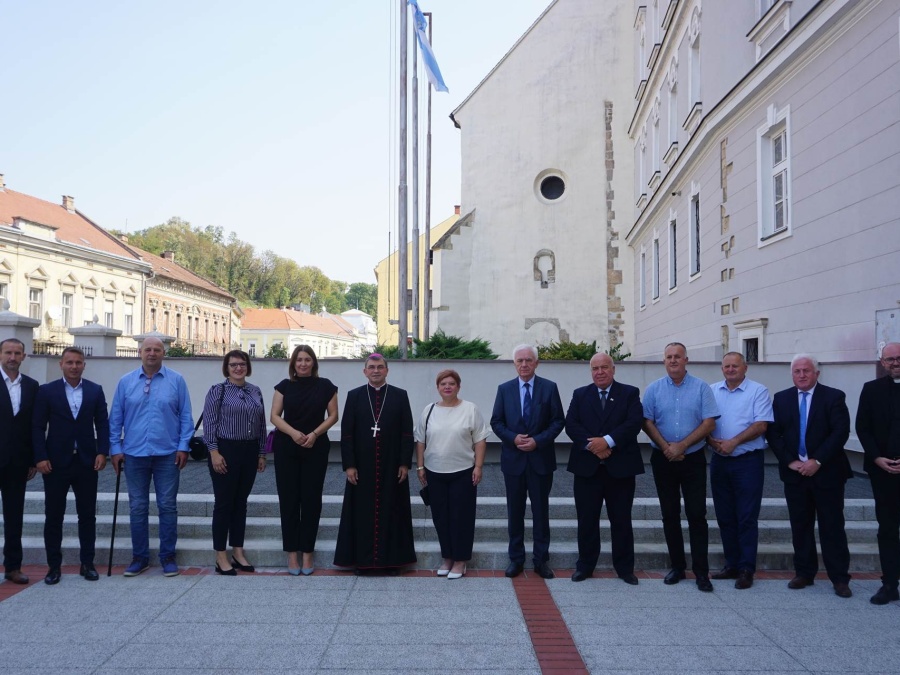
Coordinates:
column 431, row 66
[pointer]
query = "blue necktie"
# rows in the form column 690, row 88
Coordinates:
column 802, row 453
column 526, row 405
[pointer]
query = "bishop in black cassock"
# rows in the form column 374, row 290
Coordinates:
column 376, row 530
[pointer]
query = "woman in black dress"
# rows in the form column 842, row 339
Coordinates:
column 304, row 408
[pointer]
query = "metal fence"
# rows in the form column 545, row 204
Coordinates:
column 56, row 349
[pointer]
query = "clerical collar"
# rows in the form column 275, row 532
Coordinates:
column 897, row 380
column 378, row 388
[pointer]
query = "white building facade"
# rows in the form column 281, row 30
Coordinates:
column 766, row 177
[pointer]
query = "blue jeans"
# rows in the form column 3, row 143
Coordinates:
column 165, row 474
column 737, row 490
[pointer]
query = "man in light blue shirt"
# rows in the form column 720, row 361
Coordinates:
column 152, row 407
column 679, row 413
column 737, row 468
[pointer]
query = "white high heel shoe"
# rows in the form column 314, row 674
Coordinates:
column 457, row 575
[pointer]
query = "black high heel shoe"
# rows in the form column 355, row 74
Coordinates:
column 242, row 568
column 228, row 573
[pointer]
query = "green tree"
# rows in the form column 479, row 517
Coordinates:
column 364, row 297
column 565, row 350
column 276, row 351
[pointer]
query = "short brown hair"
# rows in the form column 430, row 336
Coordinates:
column 306, row 349
column 72, row 350
column 236, row 354
column 448, row 373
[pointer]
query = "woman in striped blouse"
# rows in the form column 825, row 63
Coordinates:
column 234, row 428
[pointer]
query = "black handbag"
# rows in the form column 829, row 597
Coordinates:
column 199, row 449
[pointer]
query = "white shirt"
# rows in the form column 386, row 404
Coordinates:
column 15, row 391
column 452, row 435
column 74, row 395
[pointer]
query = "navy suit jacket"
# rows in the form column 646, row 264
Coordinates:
column 55, row 432
column 873, row 421
column 545, row 425
column 621, row 419
column 827, row 431
column 15, row 431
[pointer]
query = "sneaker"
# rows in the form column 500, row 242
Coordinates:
column 170, row 569
column 137, row 566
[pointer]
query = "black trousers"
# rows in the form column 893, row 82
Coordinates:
column 12, row 490
column 590, row 494
column 536, row 487
column 453, row 512
column 83, row 481
column 886, row 490
column 299, row 479
column 806, row 503
column 675, row 480
column 229, row 521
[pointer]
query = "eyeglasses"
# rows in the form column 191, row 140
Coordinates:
column 237, row 365
column 891, row 359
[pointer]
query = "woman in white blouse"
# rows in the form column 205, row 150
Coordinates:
column 450, row 449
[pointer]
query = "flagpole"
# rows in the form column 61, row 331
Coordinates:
column 415, row 193
column 426, row 333
column 402, row 196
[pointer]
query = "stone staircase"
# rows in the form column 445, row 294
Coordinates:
column 263, row 542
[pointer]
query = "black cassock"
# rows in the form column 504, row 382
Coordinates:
column 376, row 522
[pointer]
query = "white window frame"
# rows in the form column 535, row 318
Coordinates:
column 67, row 301
column 643, row 284
column 109, row 312
column 694, row 235
column 87, row 309
column 753, row 329
column 655, row 271
column 129, row 318
column 777, row 127
column 673, row 252
column 36, row 303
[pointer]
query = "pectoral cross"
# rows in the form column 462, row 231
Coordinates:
column 375, row 430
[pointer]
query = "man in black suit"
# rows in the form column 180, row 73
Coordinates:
column 16, row 465
column 811, row 426
column 527, row 417
column 70, row 454
column 878, row 429
column 603, row 421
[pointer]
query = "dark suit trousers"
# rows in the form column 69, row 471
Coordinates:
column 673, row 480
column 229, row 521
column 12, row 486
column 806, row 502
column 618, row 493
column 453, row 500
column 536, row 487
column 300, row 478
column 737, row 490
column 83, row 481
column 886, row 490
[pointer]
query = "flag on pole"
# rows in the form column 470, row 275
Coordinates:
column 431, row 66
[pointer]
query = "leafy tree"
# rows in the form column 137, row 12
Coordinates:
column 616, row 352
column 276, row 351
column 364, row 297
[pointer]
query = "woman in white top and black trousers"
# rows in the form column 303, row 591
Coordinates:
column 450, row 449
column 234, row 428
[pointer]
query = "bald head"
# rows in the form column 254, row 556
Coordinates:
column 890, row 359
column 603, row 370
column 152, row 354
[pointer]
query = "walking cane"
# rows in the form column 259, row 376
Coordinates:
column 112, row 539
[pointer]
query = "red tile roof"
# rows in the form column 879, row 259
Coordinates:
column 172, row 270
column 71, row 227
column 292, row 320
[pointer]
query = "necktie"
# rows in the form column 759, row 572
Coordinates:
column 802, row 453
column 526, row 404
column 603, row 393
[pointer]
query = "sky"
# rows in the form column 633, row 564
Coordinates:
column 275, row 120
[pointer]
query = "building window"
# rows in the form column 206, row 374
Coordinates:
column 251, row 349
column 752, row 338
column 87, row 310
column 35, row 303
column 656, row 268
column 656, row 143
column 673, row 255
column 643, row 279
column 153, row 318
column 694, row 242
column 4, row 290
column 129, row 318
column 178, row 326
column 166, row 322
column 66, row 310
column 108, row 313
column 774, row 176
column 751, row 350
column 673, row 114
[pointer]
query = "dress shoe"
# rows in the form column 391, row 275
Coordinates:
column 53, row 576
column 226, row 573
column 799, row 582
column 442, row 572
column 673, row 577
column 578, row 575
column 704, row 584
column 513, row 569
column 843, row 590
column 885, row 595
column 744, row 580
column 457, row 575
column 543, row 570
column 295, row 572
column 305, row 571
column 395, row 571
column 725, row 573
column 629, row 579
column 89, row 572
column 243, row 568
column 16, row 577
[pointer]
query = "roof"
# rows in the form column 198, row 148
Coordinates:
column 292, row 320
column 169, row 269
column 71, row 227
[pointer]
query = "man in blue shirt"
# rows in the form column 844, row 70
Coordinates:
column 679, row 413
column 737, row 467
column 153, row 409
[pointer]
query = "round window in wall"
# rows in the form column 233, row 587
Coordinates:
column 550, row 185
